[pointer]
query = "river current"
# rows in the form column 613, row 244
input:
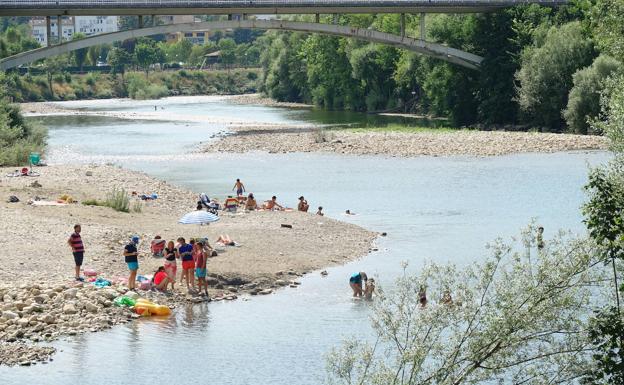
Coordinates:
column 442, row 209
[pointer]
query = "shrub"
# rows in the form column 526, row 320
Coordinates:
column 584, row 98
column 17, row 138
column 118, row 200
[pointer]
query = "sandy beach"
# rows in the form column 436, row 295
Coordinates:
column 399, row 144
column 36, row 259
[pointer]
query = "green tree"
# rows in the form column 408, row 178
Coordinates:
column 147, row 53
column 178, row 51
column 545, row 77
column 227, row 51
column 79, row 55
column 119, row 59
column 584, row 98
column 519, row 317
column 52, row 66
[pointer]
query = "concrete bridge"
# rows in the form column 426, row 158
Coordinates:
column 451, row 55
column 243, row 8
column 252, row 7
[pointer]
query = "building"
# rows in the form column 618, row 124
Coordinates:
column 195, row 37
column 88, row 25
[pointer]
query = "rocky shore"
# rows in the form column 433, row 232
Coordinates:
column 39, row 299
column 399, row 144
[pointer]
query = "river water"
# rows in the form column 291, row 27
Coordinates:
column 442, row 209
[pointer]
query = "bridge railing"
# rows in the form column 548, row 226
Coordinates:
column 207, row 4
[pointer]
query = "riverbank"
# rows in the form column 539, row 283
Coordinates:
column 400, row 144
column 40, row 301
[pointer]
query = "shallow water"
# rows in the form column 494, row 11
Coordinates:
column 439, row 209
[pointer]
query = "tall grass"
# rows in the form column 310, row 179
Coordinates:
column 118, row 200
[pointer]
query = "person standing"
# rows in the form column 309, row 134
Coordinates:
column 200, row 267
column 171, row 268
column 239, row 187
column 131, row 255
column 75, row 242
column 185, row 251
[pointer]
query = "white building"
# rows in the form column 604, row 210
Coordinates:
column 88, row 25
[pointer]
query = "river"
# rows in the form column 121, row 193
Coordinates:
column 442, row 209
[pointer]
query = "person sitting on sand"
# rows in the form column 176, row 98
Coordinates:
column 251, row 204
column 369, row 289
column 272, row 204
column 161, row 279
column 303, row 205
column 320, row 211
column 157, row 246
column 131, row 256
column 356, row 283
column 225, row 240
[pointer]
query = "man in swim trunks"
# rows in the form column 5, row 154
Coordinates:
column 75, row 242
column 272, row 204
column 239, row 187
column 356, row 283
column 131, row 255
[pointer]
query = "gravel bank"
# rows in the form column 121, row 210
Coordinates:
column 36, row 259
column 473, row 143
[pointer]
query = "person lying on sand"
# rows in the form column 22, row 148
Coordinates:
column 225, row 240
column 272, row 204
column 303, row 205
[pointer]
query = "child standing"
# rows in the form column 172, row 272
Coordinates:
column 185, row 251
column 200, row 267
column 131, row 255
column 75, row 242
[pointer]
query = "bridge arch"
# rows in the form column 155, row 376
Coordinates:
column 439, row 51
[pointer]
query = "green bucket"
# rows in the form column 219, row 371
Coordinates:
column 35, row 157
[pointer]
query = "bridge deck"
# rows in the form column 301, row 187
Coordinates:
column 205, row 7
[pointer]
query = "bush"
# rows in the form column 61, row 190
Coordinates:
column 17, row 138
column 584, row 98
column 140, row 88
column 545, row 76
column 118, row 200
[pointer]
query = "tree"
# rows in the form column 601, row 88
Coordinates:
column 53, row 66
column 227, row 51
column 148, row 53
column 545, row 76
column 584, row 98
column 79, row 55
column 119, row 59
column 517, row 318
column 177, row 52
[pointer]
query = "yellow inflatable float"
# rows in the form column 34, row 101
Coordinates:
column 147, row 308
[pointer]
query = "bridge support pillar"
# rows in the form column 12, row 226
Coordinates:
column 229, row 17
column 153, row 20
column 402, row 25
column 48, row 31
column 423, row 32
column 317, row 18
column 335, row 18
column 140, row 21
column 59, row 29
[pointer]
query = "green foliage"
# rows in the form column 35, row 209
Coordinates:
column 79, row 55
column 18, row 138
column 545, row 77
column 612, row 120
column 608, row 29
column 140, row 88
column 147, row 53
column 177, row 52
column 118, row 200
column 606, row 332
column 227, row 51
column 584, row 98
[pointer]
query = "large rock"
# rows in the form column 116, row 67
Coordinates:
column 91, row 308
column 109, row 294
column 9, row 315
column 69, row 308
column 42, row 298
column 70, row 293
column 49, row 319
column 19, row 305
